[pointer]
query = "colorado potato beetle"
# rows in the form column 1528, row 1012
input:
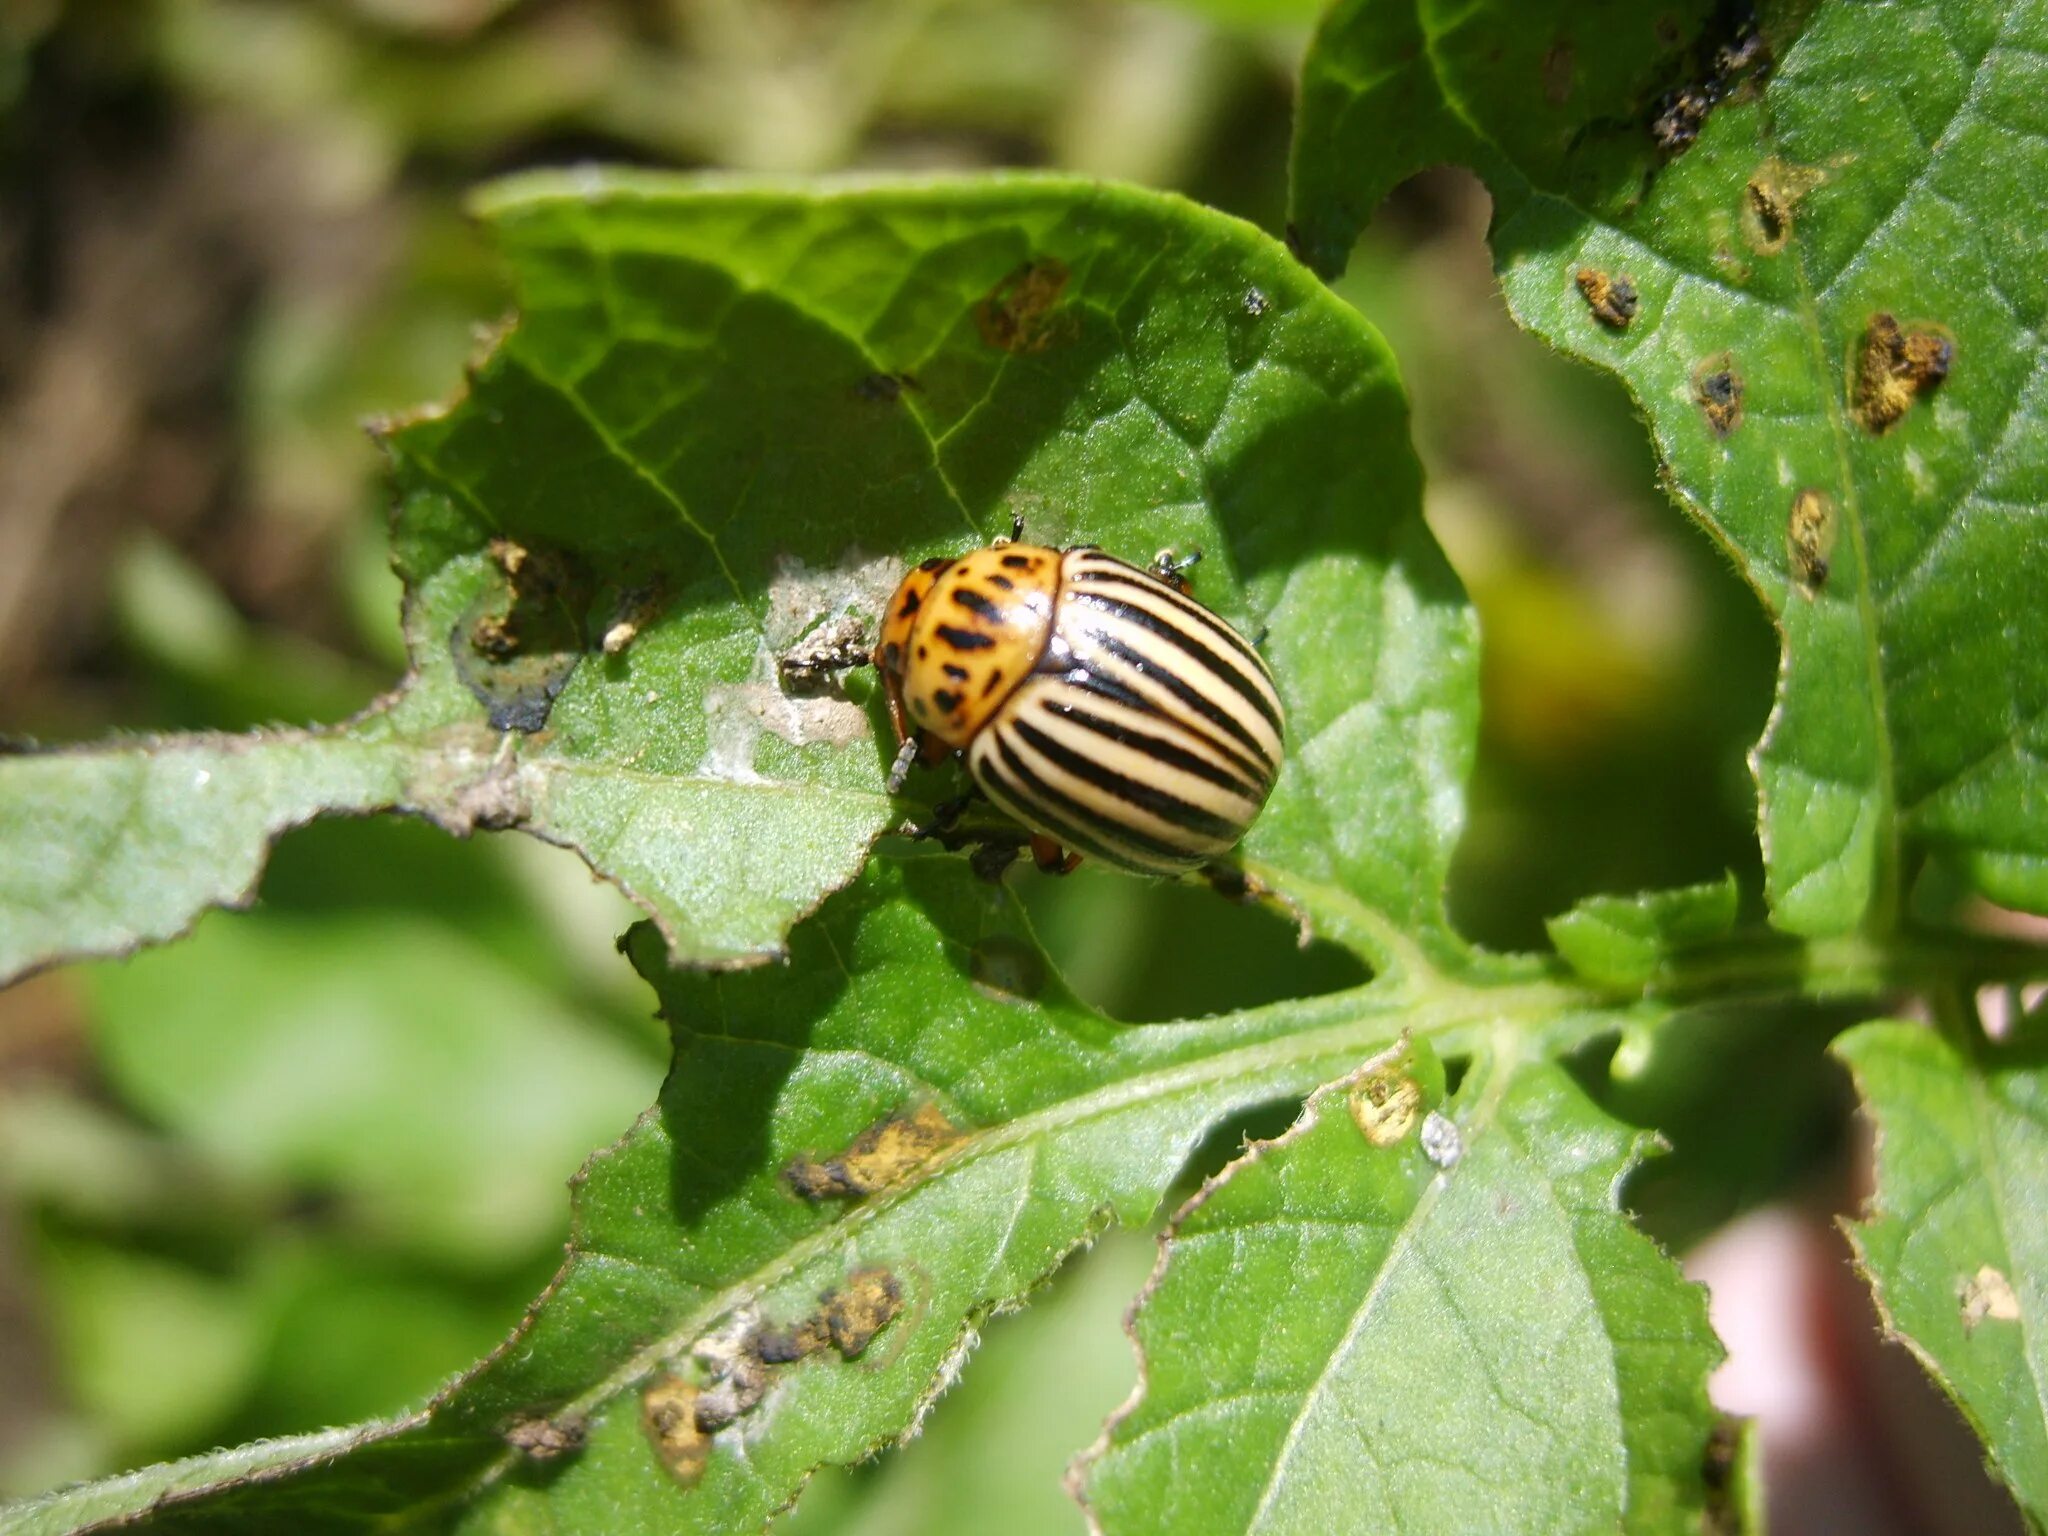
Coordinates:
column 1096, row 703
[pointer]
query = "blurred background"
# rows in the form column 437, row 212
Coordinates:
column 300, row 1167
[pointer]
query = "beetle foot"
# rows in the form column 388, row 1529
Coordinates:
column 1172, row 567
column 1050, row 857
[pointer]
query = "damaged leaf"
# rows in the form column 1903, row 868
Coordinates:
column 1334, row 1324
column 674, row 476
column 715, row 1336
column 1954, row 1241
column 1825, row 193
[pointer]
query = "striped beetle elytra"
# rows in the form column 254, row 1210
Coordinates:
column 1095, row 702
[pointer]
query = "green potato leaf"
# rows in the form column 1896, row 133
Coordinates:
column 729, row 415
column 916, row 1097
column 1382, row 1323
column 1955, row 1241
column 1620, row 941
column 1813, row 253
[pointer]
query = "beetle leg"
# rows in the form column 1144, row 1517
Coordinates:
column 1051, row 857
column 906, row 756
column 1172, row 568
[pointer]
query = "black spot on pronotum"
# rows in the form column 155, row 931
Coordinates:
column 978, row 605
column 962, row 639
column 1611, row 296
column 957, row 673
column 1002, row 582
column 947, row 700
column 1021, row 562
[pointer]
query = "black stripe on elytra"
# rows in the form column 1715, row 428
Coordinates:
column 1102, row 685
column 1150, row 668
column 1177, row 635
column 977, row 605
column 964, row 639
column 1158, row 748
column 1037, row 795
column 1170, row 809
column 1017, row 802
column 1135, row 580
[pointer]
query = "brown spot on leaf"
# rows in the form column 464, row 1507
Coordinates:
column 1896, row 366
column 522, row 636
column 1718, row 387
column 855, row 1312
column 1810, row 539
column 668, row 1414
column 1988, row 1296
column 1385, row 1106
column 882, row 1155
column 543, row 1439
column 1612, row 297
column 1018, row 314
column 1768, row 203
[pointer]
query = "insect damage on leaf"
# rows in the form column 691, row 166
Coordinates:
column 741, row 1362
column 1612, row 297
column 668, row 1413
column 1385, row 1105
column 1896, row 366
column 1988, row 1295
column 883, row 1154
column 1718, row 387
column 836, row 646
column 1768, row 202
column 1730, row 54
column 523, row 635
column 1810, row 539
column 1020, row 313
column 631, row 611
column 847, row 1320
column 540, row 1438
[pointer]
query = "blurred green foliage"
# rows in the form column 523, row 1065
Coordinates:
column 214, row 1229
